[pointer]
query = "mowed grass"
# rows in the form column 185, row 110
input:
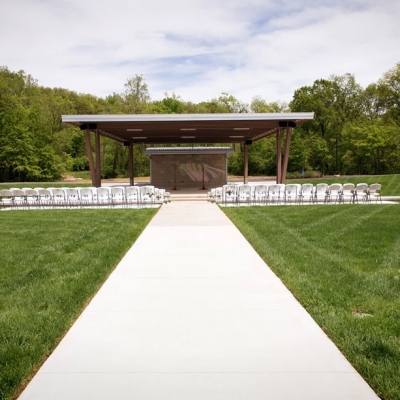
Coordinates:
column 51, row 264
column 342, row 262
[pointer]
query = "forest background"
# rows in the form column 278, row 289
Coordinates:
column 355, row 130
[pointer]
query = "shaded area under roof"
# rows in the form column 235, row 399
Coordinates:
column 187, row 150
column 187, row 128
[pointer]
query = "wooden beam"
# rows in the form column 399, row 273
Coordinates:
column 286, row 155
column 278, row 156
column 98, row 163
column 226, row 169
column 89, row 154
column 246, row 164
column 131, row 165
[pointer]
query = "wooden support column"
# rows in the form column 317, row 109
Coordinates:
column 131, row 165
column 98, row 160
column 226, row 168
column 246, row 164
column 89, row 153
column 278, row 156
column 286, row 155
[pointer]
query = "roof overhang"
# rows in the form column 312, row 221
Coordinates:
column 161, row 151
column 188, row 128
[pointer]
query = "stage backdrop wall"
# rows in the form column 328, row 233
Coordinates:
column 178, row 168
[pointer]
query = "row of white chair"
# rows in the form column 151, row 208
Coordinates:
column 361, row 192
column 83, row 196
column 295, row 193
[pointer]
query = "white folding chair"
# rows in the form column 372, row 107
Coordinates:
column 94, row 192
column 260, row 194
column 132, row 195
column 86, row 196
column 32, row 197
column 292, row 192
column 274, row 194
column 361, row 192
column 159, row 195
column 321, row 192
column 307, row 192
column 229, row 194
column 347, row 193
column 117, row 196
column 211, row 195
column 218, row 194
column 103, row 196
column 72, row 197
column 18, row 198
column 6, row 198
column 374, row 192
column 58, row 197
column 45, row 198
column 244, row 194
column 335, row 192
column 147, row 194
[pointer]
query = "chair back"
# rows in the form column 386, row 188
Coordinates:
column 5, row 197
column 307, row 189
column 86, row 195
column 103, row 195
column 375, row 187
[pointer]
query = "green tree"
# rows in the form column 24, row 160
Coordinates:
column 168, row 105
column 299, row 154
column 226, row 103
column 372, row 147
column 335, row 102
column 259, row 105
column 18, row 159
column 136, row 95
column 374, row 101
column 389, row 86
column 231, row 104
column 18, row 143
column 114, row 104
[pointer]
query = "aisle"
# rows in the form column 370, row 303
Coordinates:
column 192, row 312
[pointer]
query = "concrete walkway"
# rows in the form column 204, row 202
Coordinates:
column 193, row 313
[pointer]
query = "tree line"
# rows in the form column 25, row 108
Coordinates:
column 355, row 130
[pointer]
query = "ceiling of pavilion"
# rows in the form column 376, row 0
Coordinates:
column 187, row 128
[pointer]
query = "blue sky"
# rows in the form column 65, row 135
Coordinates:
column 198, row 49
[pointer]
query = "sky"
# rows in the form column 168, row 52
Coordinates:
column 198, row 49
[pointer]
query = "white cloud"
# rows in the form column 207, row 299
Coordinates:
column 199, row 49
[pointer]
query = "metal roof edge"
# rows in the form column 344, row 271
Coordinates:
column 81, row 118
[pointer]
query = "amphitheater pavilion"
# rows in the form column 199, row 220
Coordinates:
column 188, row 129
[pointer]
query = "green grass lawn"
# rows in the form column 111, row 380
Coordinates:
column 51, row 264
column 342, row 262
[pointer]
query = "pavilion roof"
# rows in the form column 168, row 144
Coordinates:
column 188, row 128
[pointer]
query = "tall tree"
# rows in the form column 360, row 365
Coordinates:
column 232, row 104
column 170, row 104
column 335, row 102
column 259, row 105
column 136, row 95
column 389, row 86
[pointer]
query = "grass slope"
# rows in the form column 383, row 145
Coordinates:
column 51, row 263
column 342, row 262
